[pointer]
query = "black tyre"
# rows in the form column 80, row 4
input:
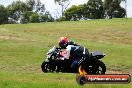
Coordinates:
column 48, row 67
column 81, row 80
column 45, row 66
column 101, row 67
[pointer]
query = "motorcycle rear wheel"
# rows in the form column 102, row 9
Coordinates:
column 101, row 67
column 97, row 67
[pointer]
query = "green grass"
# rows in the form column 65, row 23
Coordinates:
column 23, row 48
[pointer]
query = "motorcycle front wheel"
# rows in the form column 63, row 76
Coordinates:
column 47, row 67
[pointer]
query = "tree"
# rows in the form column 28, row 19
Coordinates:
column 125, row 1
column 64, row 4
column 36, row 6
column 46, row 17
column 86, row 12
column 20, row 11
column 34, row 18
column 31, row 4
column 95, row 9
column 112, row 7
column 77, row 12
column 16, row 10
column 71, row 13
column 92, row 10
column 26, row 17
column 3, row 15
column 39, row 8
column 119, row 13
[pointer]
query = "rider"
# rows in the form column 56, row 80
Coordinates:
column 74, row 50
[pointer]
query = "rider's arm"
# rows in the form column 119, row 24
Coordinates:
column 72, row 43
column 67, row 55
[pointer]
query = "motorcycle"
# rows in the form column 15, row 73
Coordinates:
column 89, row 65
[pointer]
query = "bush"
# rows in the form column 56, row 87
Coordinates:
column 61, row 19
column 34, row 18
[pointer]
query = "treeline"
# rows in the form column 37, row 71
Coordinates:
column 30, row 11
column 95, row 9
column 33, row 11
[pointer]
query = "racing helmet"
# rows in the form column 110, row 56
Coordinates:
column 63, row 42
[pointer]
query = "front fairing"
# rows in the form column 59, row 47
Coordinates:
column 51, row 50
column 46, row 60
